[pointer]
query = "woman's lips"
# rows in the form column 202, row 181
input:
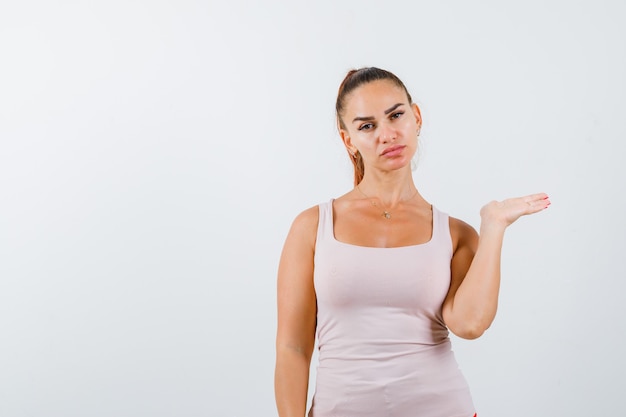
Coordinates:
column 393, row 151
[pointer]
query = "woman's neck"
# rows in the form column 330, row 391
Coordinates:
column 390, row 188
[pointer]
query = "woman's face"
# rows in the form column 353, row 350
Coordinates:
column 381, row 124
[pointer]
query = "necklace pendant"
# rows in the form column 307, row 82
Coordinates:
column 387, row 215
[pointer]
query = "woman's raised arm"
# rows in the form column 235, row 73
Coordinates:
column 472, row 301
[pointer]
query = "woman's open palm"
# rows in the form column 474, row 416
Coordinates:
column 505, row 212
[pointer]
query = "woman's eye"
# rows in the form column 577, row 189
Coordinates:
column 366, row 126
column 397, row 114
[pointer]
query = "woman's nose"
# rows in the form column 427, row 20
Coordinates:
column 387, row 133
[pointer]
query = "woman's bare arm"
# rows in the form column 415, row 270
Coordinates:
column 295, row 336
column 472, row 301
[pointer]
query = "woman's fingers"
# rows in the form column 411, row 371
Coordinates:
column 535, row 202
column 536, row 197
column 508, row 211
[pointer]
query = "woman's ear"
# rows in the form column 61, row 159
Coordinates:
column 347, row 141
column 418, row 116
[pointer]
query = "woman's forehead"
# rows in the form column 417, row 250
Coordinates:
column 375, row 96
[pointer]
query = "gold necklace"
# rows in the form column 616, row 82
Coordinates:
column 386, row 213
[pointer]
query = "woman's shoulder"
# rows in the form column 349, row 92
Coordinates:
column 461, row 231
column 460, row 226
column 344, row 202
column 307, row 219
column 303, row 231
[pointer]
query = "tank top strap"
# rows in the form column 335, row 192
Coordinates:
column 441, row 229
column 325, row 222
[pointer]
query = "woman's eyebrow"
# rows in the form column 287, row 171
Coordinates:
column 392, row 108
column 368, row 118
column 362, row 118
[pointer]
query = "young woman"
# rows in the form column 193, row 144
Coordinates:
column 381, row 275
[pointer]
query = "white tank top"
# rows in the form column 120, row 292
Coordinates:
column 384, row 349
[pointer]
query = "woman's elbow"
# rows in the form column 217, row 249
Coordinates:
column 469, row 333
column 469, row 329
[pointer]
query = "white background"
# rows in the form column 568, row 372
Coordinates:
column 154, row 153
